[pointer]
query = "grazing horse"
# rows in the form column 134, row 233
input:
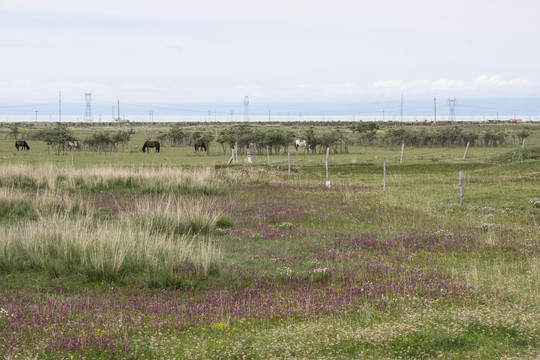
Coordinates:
column 199, row 145
column 73, row 145
column 151, row 144
column 22, row 143
column 302, row 143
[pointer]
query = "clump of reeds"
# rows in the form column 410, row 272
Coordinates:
column 159, row 181
column 60, row 244
column 165, row 239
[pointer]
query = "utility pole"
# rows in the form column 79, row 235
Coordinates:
column 246, row 109
column 59, row 106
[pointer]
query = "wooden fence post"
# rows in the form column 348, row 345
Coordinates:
column 73, row 160
column 268, row 155
column 402, row 151
column 523, row 144
column 466, row 149
column 461, row 189
column 232, row 157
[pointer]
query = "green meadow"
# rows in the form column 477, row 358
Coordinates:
column 107, row 252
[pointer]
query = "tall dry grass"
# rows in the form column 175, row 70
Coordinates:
column 161, row 180
column 60, row 245
column 163, row 238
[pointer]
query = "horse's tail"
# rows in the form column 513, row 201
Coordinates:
column 144, row 148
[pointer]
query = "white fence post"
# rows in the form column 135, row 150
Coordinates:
column 402, row 151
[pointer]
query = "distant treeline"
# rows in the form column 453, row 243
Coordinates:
column 274, row 138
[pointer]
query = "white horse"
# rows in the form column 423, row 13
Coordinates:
column 73, row 145
column 302, row 143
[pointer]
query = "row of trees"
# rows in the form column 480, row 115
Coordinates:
column 57, row 139
column 451, row 136
column 178, row 137
column 274, row 140
column 105, row 141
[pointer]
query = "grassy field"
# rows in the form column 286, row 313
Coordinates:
column 176, row 255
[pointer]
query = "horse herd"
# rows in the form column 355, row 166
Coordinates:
column 199, row 145
column 24, row 145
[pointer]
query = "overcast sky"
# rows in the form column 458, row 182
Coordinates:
column 179, row 51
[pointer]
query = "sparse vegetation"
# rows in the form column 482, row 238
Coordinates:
column 177, row 256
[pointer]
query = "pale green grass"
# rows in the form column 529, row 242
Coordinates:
column 64, row 179
column 157, row 237
column 164, row 235
column 427, row 331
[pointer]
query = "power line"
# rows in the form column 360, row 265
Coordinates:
column 88, row 109
column 452, row 105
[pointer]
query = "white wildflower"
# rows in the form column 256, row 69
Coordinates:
column 286, row 225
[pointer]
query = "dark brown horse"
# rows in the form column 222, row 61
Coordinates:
column 151, row 144
column 21, row 143
column 199, row 145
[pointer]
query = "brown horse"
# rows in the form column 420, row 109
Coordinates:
column 21, row 143
column 151, row 144
column 199, row 145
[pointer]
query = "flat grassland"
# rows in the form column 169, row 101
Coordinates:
column 167, row 255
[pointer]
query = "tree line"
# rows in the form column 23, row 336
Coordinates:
column 58, row 137
column 269, row 139
column 447, row 136
column 272, row 139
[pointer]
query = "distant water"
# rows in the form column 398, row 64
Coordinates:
column 255, row 118
column 466, row 109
